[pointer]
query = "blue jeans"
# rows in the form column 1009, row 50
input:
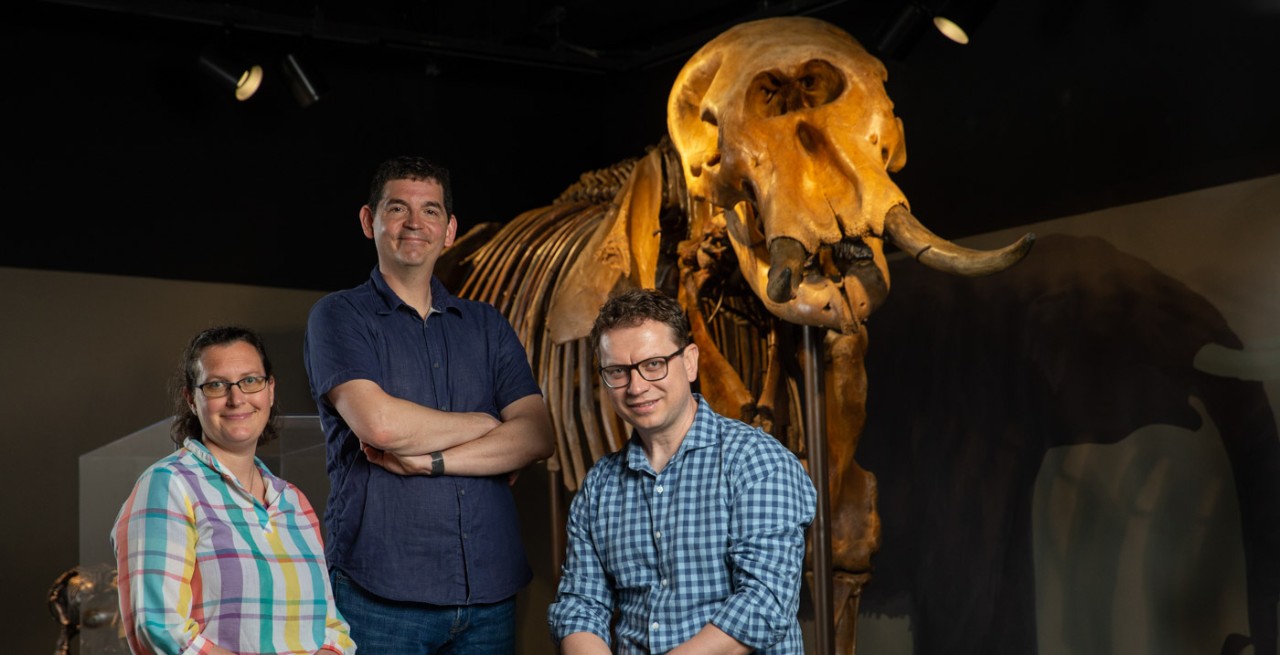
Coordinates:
column 391, row 627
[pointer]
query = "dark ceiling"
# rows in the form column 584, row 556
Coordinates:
column 119, row 159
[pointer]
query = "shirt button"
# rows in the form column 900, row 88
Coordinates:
column 654, row 626
column 435, row 365
column 664, row 582
column 658, row 489
column 462, row 492
column 658, row 534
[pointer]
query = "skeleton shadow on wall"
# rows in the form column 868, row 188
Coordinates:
column 978, row 384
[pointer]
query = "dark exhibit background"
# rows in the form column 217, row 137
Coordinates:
column 119, row 158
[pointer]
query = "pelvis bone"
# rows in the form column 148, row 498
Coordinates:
column 784, row 127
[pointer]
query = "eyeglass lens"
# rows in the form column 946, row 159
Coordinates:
column 652, row 370
column 220, row 388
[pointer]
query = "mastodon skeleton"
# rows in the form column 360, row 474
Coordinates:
column 766, row 210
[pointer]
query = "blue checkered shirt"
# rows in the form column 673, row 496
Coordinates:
column 717, row 537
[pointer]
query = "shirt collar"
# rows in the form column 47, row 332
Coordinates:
column 441, row 299
column 702, row 433
column 202, row 454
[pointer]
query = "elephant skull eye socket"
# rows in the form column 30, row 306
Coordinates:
column 773, row 93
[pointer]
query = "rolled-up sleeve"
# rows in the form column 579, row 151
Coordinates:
column 772, row 510
column 584, row 600
column 155, row 543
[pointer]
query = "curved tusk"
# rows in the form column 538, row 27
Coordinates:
column 939, row 254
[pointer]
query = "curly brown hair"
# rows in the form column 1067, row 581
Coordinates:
column 631, row 308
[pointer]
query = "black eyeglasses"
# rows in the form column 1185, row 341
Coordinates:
column 652, row 369
column 220, row 388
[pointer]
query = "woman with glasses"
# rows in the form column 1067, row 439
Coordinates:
column 214, row 553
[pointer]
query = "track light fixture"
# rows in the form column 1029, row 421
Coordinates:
column 958, row 19
column 955, row 19
column 229, row 71
column 307, row 84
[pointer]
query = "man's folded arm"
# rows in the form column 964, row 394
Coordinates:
column 399, row 426
column 521, row 438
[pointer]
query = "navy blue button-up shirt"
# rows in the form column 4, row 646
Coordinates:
column 445, row 540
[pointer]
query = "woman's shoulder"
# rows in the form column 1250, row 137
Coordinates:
column 174, row 467
column 169, row 464
column 290, row 490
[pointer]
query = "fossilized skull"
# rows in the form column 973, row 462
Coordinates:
column 783, row 124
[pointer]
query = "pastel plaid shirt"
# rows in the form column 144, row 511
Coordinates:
column 718, row 536
column 202, row 562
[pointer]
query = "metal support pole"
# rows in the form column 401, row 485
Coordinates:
column 815, row 431
column 555, row 487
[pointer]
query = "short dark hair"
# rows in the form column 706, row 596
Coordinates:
column 185, row 422
column 410, row 168
column 631, row 308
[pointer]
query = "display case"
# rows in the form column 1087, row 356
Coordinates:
column 107, row 474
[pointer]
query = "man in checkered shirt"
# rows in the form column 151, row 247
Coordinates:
column 693, row 534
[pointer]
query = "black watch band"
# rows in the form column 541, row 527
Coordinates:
column 437, row 465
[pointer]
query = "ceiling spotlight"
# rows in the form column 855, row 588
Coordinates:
column 957, row 20
column 230, row 72
column 307, row 84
